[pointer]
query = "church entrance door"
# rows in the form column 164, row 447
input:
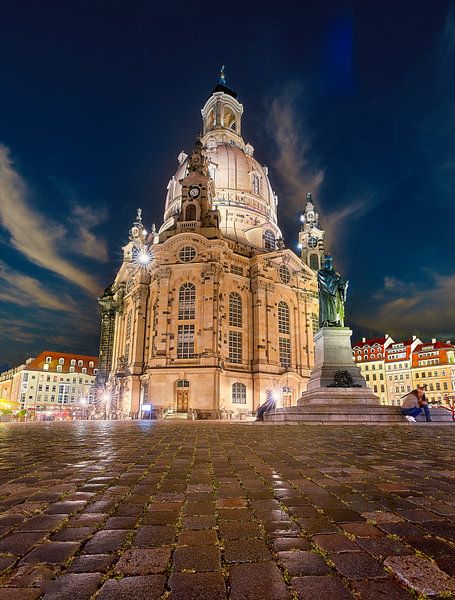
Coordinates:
column 182, row 400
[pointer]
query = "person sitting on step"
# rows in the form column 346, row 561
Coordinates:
column 414, row 404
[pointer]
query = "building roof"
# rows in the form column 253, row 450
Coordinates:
column 435, row 345
column 370, row 342
column 36, row 364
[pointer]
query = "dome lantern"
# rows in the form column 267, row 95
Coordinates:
column 222, row 113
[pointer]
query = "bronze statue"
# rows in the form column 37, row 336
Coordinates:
column 332, row 295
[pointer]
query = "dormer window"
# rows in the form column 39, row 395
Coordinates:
column 48, row 359
column 84, row 370
column 61, row 361
column 91, row 364
column 80, row 363
column 73, row 362
column 59, row 368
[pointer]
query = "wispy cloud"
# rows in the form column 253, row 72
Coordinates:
column 85, row 242
column 23, row 290
column 39, row 239
column 293, row 141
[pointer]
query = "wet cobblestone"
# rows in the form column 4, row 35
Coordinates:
column 182, row 510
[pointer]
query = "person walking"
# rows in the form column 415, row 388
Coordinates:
column 414, row 404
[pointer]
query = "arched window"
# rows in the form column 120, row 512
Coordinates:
column 269, row 240
column 283, row 318
column 211, row 120
column 235, row 310
column 238, row 393
column 229, row 119
column 190, row 213
column 187, row 301
column 314, row 262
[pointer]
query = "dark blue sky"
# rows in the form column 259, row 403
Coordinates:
column 354, row 100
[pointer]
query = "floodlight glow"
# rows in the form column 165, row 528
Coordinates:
column 143, row 256
column 302, row 218
column 299, row 246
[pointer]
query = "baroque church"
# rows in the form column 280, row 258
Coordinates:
column 212, row 314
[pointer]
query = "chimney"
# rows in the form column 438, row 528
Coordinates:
column 433, row 340
column 364, row 340
column 448, row 342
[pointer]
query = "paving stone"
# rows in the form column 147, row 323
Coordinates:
column 237, row 531
column 362, row 530
column 31, row 575
column 197, row 537
column 299, row 563
column 257, row 581
column 420, row 574
column 323, row 587
column 106, row 541
column 143, row 561
column 199, row 558
column 247, row 550
column 197, row 586
column 343, row 515
column 42, row 523
column 20, row 593
column 74, row 586
column 290, row 543
column 72, row 534
column 92, row 563
column 51, row 553
column 162, row 517
column 6, row 562
column 20, row 543
column 382, row 547
column 357, row 565
column 147, row 587
column 377, row 590
column 335, row 542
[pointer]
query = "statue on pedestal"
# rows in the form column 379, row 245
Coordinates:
column 332, row 295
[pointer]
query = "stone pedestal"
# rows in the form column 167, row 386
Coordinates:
column 333, row 353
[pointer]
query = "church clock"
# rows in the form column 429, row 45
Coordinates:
column 312, row 242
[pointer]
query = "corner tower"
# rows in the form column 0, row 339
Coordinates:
column 311, row 236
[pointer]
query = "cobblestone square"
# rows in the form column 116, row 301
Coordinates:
column 207, row 510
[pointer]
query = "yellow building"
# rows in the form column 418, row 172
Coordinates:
column 433, row 365
column 211, row 314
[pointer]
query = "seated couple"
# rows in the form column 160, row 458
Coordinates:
column 414, row 404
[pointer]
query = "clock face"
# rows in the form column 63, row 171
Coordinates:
column 310, row 215
column 312, row 242
column 194, row 192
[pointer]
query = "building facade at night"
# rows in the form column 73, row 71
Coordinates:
column 211, row 313
column 52, row 381
column 392, row 369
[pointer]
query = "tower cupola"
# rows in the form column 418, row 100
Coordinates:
column 222, row 113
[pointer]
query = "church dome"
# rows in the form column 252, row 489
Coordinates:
column 243, row 193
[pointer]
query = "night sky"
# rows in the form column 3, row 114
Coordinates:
column 354, row 101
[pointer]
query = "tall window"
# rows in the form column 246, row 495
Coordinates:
column 314, row 262
column 238, row 393
column 190, row 213
column 185, row 341
column 269, row 240
column 256, row 184
column 285, row 352
column 235, row 310
column 283, row 318
column 187, row 301
column 235, row 347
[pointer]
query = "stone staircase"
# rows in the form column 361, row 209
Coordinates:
column 350, row 414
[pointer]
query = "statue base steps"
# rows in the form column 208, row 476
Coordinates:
column 334, row 396
column 351, row 414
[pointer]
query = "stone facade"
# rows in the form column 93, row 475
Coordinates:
column 211, row 313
